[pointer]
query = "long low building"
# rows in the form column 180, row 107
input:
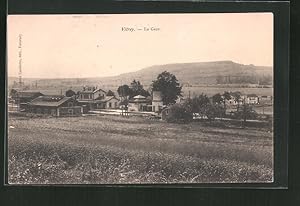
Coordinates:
column 21, row 98
column 54, row 105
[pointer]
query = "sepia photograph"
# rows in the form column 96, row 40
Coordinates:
column 140, row 98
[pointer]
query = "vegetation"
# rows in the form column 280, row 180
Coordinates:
column 13, row 92
column 124, row 90
column 169, row 87
column 135, row 88
column 70, row 93
column 221, row 99
column 206, row 108
column 214, row 110
column 180, row 114
column 253, row 79
column 198, row 104
column 246, row 112
column 237, row 97
column 113, row 149
column 110, row 149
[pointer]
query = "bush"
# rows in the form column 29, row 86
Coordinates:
column 213, row 111
column 179, row 114
column 246, row 112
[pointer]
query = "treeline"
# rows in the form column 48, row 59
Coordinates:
column 135, row 88
column 261, row 80
column 203, row 107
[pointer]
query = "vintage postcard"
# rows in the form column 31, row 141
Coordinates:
column 140, row 98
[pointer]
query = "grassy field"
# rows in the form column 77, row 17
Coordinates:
column 113, row 149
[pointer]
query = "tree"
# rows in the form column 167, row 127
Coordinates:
column 179, row 113
column 237, row 97
column 136, row 86
column 137, row 89
column 168, row 85
column 225, row 96
column 213, row 111
column 203, row 104
column 124, row 90
column 70, row 93
column 217, row 98
column 198, row 104
column 221, row 99
column 246, row 112
column 13, row 92
column 110, row 93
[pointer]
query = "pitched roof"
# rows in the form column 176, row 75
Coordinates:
column 106, row 99
column 91, row 91
column 251, row 95
column 28, row 94
column 50, row 101
column 139, row 97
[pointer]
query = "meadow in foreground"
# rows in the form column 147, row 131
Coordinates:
column 114, row 149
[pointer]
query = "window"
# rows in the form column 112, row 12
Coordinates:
column 53, row 112
column 101, row 96
column 70, row 104
column 109, row 104
column 116, row 104
column 70, row 111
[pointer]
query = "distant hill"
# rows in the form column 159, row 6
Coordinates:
column 198, row 73
column 201, row 73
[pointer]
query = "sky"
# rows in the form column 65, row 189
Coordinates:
column 77, row 46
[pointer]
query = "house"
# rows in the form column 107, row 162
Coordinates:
column 234, row 102
column 109, row 102
column 139, row 103
column 265, row 99
column 231, row 101
column 54, row 105
column 91, row 94
column 157, row 103
column 94, row 98
column 252, row 99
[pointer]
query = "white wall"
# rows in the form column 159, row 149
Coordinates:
column 156, row 105
column 113, row 104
